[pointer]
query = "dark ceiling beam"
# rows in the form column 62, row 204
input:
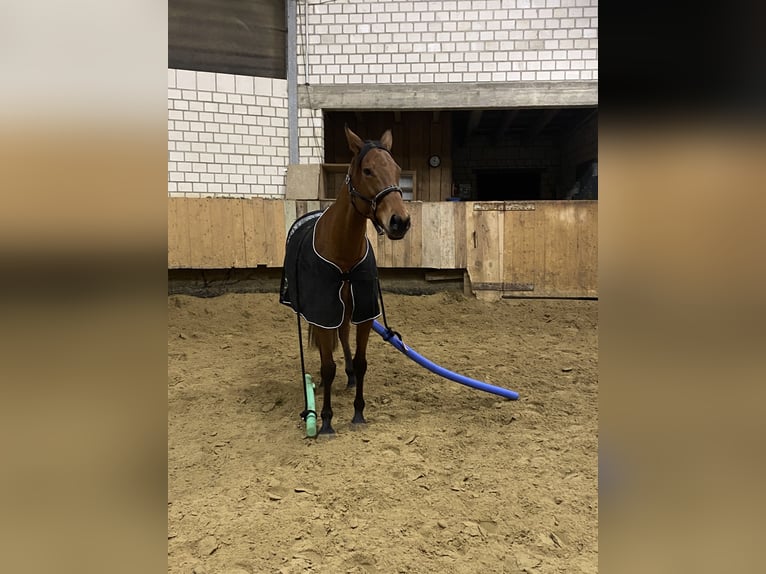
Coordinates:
column 473, row 122
column 505, row 123
column 582, row 122
column 539, row 125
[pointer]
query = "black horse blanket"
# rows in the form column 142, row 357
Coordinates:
column 311, row 285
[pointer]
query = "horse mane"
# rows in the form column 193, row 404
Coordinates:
column 368, row 145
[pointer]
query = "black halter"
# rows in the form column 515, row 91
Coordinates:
column 375, row 201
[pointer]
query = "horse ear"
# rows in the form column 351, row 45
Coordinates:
column 354, row 141
column 387, row 140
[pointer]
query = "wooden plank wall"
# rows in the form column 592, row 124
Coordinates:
column 542, row 248
column 417, row 136
column 533, row 249
column 228, row 36
column 433, row 242
column 224, row 233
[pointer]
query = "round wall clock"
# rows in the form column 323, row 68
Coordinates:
column 434, row 161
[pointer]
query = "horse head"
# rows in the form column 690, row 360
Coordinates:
column 373, row 182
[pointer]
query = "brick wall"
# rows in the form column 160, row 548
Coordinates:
column 310, row 135
column 227, row 135
column 391, row 42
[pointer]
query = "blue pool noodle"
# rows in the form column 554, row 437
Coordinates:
column 439, row 370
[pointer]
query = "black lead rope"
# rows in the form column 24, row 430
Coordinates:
column 389, row 331
column 306, row 411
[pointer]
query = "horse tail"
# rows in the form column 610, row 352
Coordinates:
column 313, row 340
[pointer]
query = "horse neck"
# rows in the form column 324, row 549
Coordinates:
column 341, row 233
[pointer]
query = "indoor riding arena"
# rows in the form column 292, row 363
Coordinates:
column 492, row 111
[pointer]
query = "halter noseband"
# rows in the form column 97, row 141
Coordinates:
column 375, row 201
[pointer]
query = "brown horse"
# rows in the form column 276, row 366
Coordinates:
column 371, row 191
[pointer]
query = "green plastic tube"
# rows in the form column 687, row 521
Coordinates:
column 311, row 418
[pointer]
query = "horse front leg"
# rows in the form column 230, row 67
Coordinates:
column 325, row 339
column 360, row 369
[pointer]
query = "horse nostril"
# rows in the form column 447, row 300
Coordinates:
column 398, row 225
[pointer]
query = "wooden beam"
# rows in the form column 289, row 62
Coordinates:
column 444, row 275
column 436, row 116
column 444, row 96
column 397, row 116
column 538, row 126
column 505, row 123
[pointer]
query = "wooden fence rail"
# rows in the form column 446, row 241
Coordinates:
column 542, row 248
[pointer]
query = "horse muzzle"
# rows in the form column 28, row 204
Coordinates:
column 398, row 226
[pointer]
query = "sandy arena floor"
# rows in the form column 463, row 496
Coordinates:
column 444, row 479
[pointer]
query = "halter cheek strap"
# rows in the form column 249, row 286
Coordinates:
column 375, row 201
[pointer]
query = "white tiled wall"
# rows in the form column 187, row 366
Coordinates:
column 227, row 135
column 311, row 135
column 392, row 42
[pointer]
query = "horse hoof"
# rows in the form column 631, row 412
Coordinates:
column 358, row 419
column 326, row 435
column 358, row 426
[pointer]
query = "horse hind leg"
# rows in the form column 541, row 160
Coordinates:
column 344, row 332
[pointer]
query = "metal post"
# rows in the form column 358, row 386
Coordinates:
column 292, row 80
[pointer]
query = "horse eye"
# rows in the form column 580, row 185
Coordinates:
column 367, row 171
